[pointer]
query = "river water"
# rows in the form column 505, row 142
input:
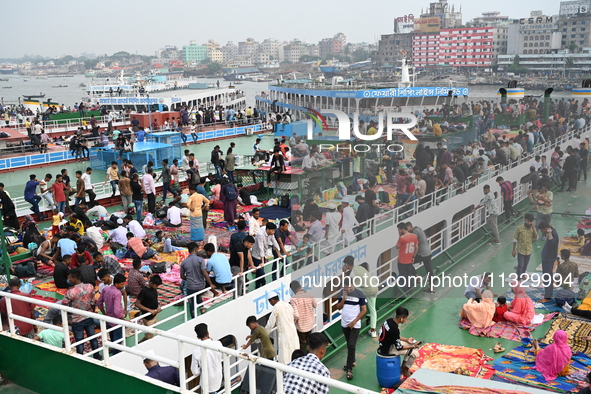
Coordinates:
column 23, row 85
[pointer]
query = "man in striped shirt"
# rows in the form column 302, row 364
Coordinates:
column 507, row 193
column 303, row 305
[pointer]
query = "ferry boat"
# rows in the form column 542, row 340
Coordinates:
column 8, row 69
column 160, row 93
column 335, row 67
column 353, row 96
column 241, row 74
column 448, row 219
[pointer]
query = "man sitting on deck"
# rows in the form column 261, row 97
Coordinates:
column 391, row 343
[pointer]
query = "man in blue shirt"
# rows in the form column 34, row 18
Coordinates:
column 219, row 264
column 135, row 124
column 238, row 236
column 167, row 374
column 141, row 134
column 65, row 246
column 31, row 195
column 549, row 256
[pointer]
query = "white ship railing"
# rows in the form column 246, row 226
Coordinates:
column 65, row 125
column 441, row 241
column 243, row 359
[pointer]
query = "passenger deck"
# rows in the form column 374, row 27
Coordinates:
column 434, row 317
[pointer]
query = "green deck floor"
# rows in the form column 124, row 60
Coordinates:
column 434, row 318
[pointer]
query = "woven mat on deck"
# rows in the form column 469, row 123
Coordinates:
column 518, row 364
column 576, row 327
column 416, row 386
column 504, row 329
column 448, row 358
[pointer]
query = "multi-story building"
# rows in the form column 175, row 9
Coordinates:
column 459, row 47
column 466, row 47
column 312, row 50
column 169, row 52
column 534, row 35
column 491, row 18
column 332, row 46
column 448, row 19
column 553, row 63
column 193, row 53
column 500, row 41
column 392, row 47
column 270, row 46
column 229, row 52
column 425, row 49
column 250, row 47
column 576, row 32
column 216, row 55
column 292, row 52
column 262, row 58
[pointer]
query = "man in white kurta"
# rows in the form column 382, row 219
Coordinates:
column 333, row 231
column 282, row 316
column 349, row 223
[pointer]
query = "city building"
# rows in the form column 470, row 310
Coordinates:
column 292, row 52
column 534, row 35
column 332, row 46
column 193, row 53
column 391, row 48
column 500, row 41
column 168, row 55
column 425, row 49
column 466, row 47
column 491, row 18
column 169, row 52
column 459, row 47
column 216, row 55
column 229, row 52
column 250, row 47
column 575, row 31
column 448, row 19
column 556, row 62
column 270, row 46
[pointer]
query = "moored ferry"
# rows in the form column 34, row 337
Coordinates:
column 448, row 217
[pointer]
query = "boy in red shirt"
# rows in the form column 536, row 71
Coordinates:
column 500, row 309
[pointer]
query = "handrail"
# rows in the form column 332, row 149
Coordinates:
column 179, row 339
column 104, row 190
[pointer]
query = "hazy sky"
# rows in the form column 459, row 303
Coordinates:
column 61, row 27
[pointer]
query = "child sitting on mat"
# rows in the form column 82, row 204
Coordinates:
column 500, row 309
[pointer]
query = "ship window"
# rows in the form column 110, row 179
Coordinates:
column 535, row 51
column 537, row 38
column 535, row 44
column 547, row 37
column 547, row 44
column 526, row 38
column 435, row 236
column 531, row 44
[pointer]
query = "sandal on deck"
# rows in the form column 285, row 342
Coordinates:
column 498, row 348
column 349, row 375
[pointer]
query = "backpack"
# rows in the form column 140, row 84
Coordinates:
column 284, row 202
column 584, row 285
column 195, row 178
column 230, row 192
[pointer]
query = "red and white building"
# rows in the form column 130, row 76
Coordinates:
column 425, row 49
column 458, row 47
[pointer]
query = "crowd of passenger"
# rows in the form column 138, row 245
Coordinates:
column 75, row 249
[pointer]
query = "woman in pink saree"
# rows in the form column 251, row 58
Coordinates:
column 480, row 313
column 521, row 311
column 553, row 360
